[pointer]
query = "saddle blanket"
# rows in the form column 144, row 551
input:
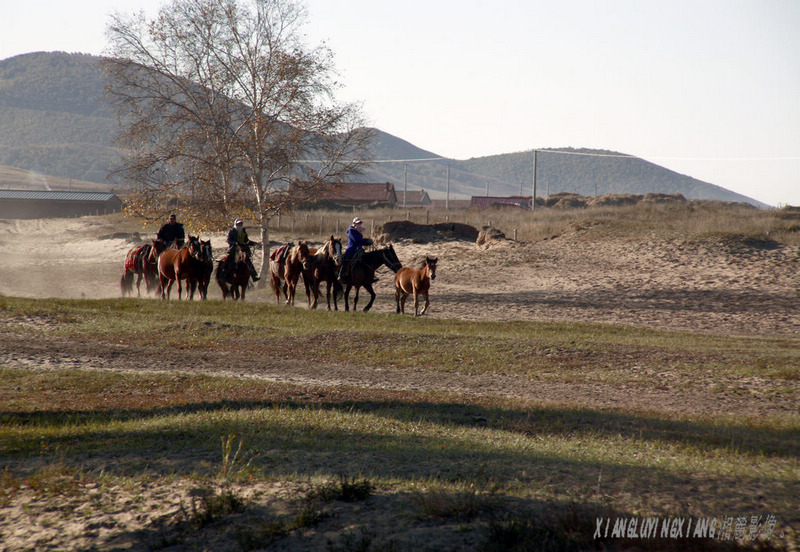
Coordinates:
column 278, row 254
column 135, row 258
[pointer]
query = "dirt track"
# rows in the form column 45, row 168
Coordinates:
column 714, row 285
column 718, row 286
column 723, row 286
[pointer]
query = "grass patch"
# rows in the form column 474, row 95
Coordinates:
column 469, row 460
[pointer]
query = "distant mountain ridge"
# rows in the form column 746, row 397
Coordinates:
column 54, row 121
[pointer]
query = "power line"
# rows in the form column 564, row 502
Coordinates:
column 612, row 155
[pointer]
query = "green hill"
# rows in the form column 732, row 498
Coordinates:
column 54, row 120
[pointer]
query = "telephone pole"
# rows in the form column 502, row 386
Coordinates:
column 533, row 194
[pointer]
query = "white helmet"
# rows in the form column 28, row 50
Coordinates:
column 357, row 220
column 237, row 222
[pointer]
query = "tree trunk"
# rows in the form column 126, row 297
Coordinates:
column 264, row 270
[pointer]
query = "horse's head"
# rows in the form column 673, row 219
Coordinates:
column 303, row 255
column 239, row 255
column 194, row 247
column 158, row 247
column 205, row 252
column 333, row 250
column 430, row 264
column 390, row 258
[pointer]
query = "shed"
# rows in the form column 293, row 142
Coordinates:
column 28, row 204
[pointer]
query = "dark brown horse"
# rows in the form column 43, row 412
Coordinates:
column 181, row 264
column 207, row 260
column 416, row 281
column 234, row 283
column 362, row 273
column 141, row 262
column 285, row 266
column 323, row 266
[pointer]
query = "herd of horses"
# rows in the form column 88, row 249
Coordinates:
column 160, row 267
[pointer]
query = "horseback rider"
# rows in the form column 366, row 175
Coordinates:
column 238, row 236
column 355, row 247
column 172, row 232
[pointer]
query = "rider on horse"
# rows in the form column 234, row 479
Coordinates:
column 172, row 232
column 238, row 236
column 355, row 247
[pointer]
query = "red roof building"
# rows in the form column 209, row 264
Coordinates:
column 359, row 194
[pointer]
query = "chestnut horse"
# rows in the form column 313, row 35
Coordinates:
column 323, row 266
column 238, row 277
column 362, row 273
column 141, row 262
column 285, row 265
column 416, row 281
column 181, row 264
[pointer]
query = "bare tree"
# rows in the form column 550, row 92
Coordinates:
column 222, row 107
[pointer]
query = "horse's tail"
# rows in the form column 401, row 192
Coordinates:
column 126, row 282
column 221, row 279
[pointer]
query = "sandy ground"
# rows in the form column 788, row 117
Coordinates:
column 718, row 286
column 714, row 285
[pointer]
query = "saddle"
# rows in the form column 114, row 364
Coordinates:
column 280, row 254
column 135, row 257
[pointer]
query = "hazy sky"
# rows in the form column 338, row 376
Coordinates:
column 706, row 88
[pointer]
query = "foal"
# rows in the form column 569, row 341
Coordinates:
column 416, row 281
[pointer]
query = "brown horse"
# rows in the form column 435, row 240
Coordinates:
column 416, row 281
column 235, row 282
column 285, row 265
column 362, row 273
column 141, row 262
column 323, row 266
column 207, row 260
column 181, row 264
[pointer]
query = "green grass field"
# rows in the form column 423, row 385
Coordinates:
column 453, row 470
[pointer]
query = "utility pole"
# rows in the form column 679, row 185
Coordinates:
column 447, row 197
column 405, row 182
column 533, row 195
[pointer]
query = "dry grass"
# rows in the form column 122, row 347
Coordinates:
column 696, row 218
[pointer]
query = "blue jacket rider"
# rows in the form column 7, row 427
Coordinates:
column 355, row 244
column 238, row 236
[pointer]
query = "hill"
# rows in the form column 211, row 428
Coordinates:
column 54, row 121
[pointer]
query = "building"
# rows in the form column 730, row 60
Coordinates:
column 28, row 204
column 414, row 198
column 357, row 195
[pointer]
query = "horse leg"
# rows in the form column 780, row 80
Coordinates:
column 312, row 303
column 403, row 297
column 241, row 294
column 166, row 290
column 368, row 287
column 397, row 292
column 347, row 297
column 416, row 301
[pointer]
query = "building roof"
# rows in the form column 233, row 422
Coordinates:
column 363, row 192
column 46, row 195
column 414, row 197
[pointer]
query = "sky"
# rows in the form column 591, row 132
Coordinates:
column 707, row 88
